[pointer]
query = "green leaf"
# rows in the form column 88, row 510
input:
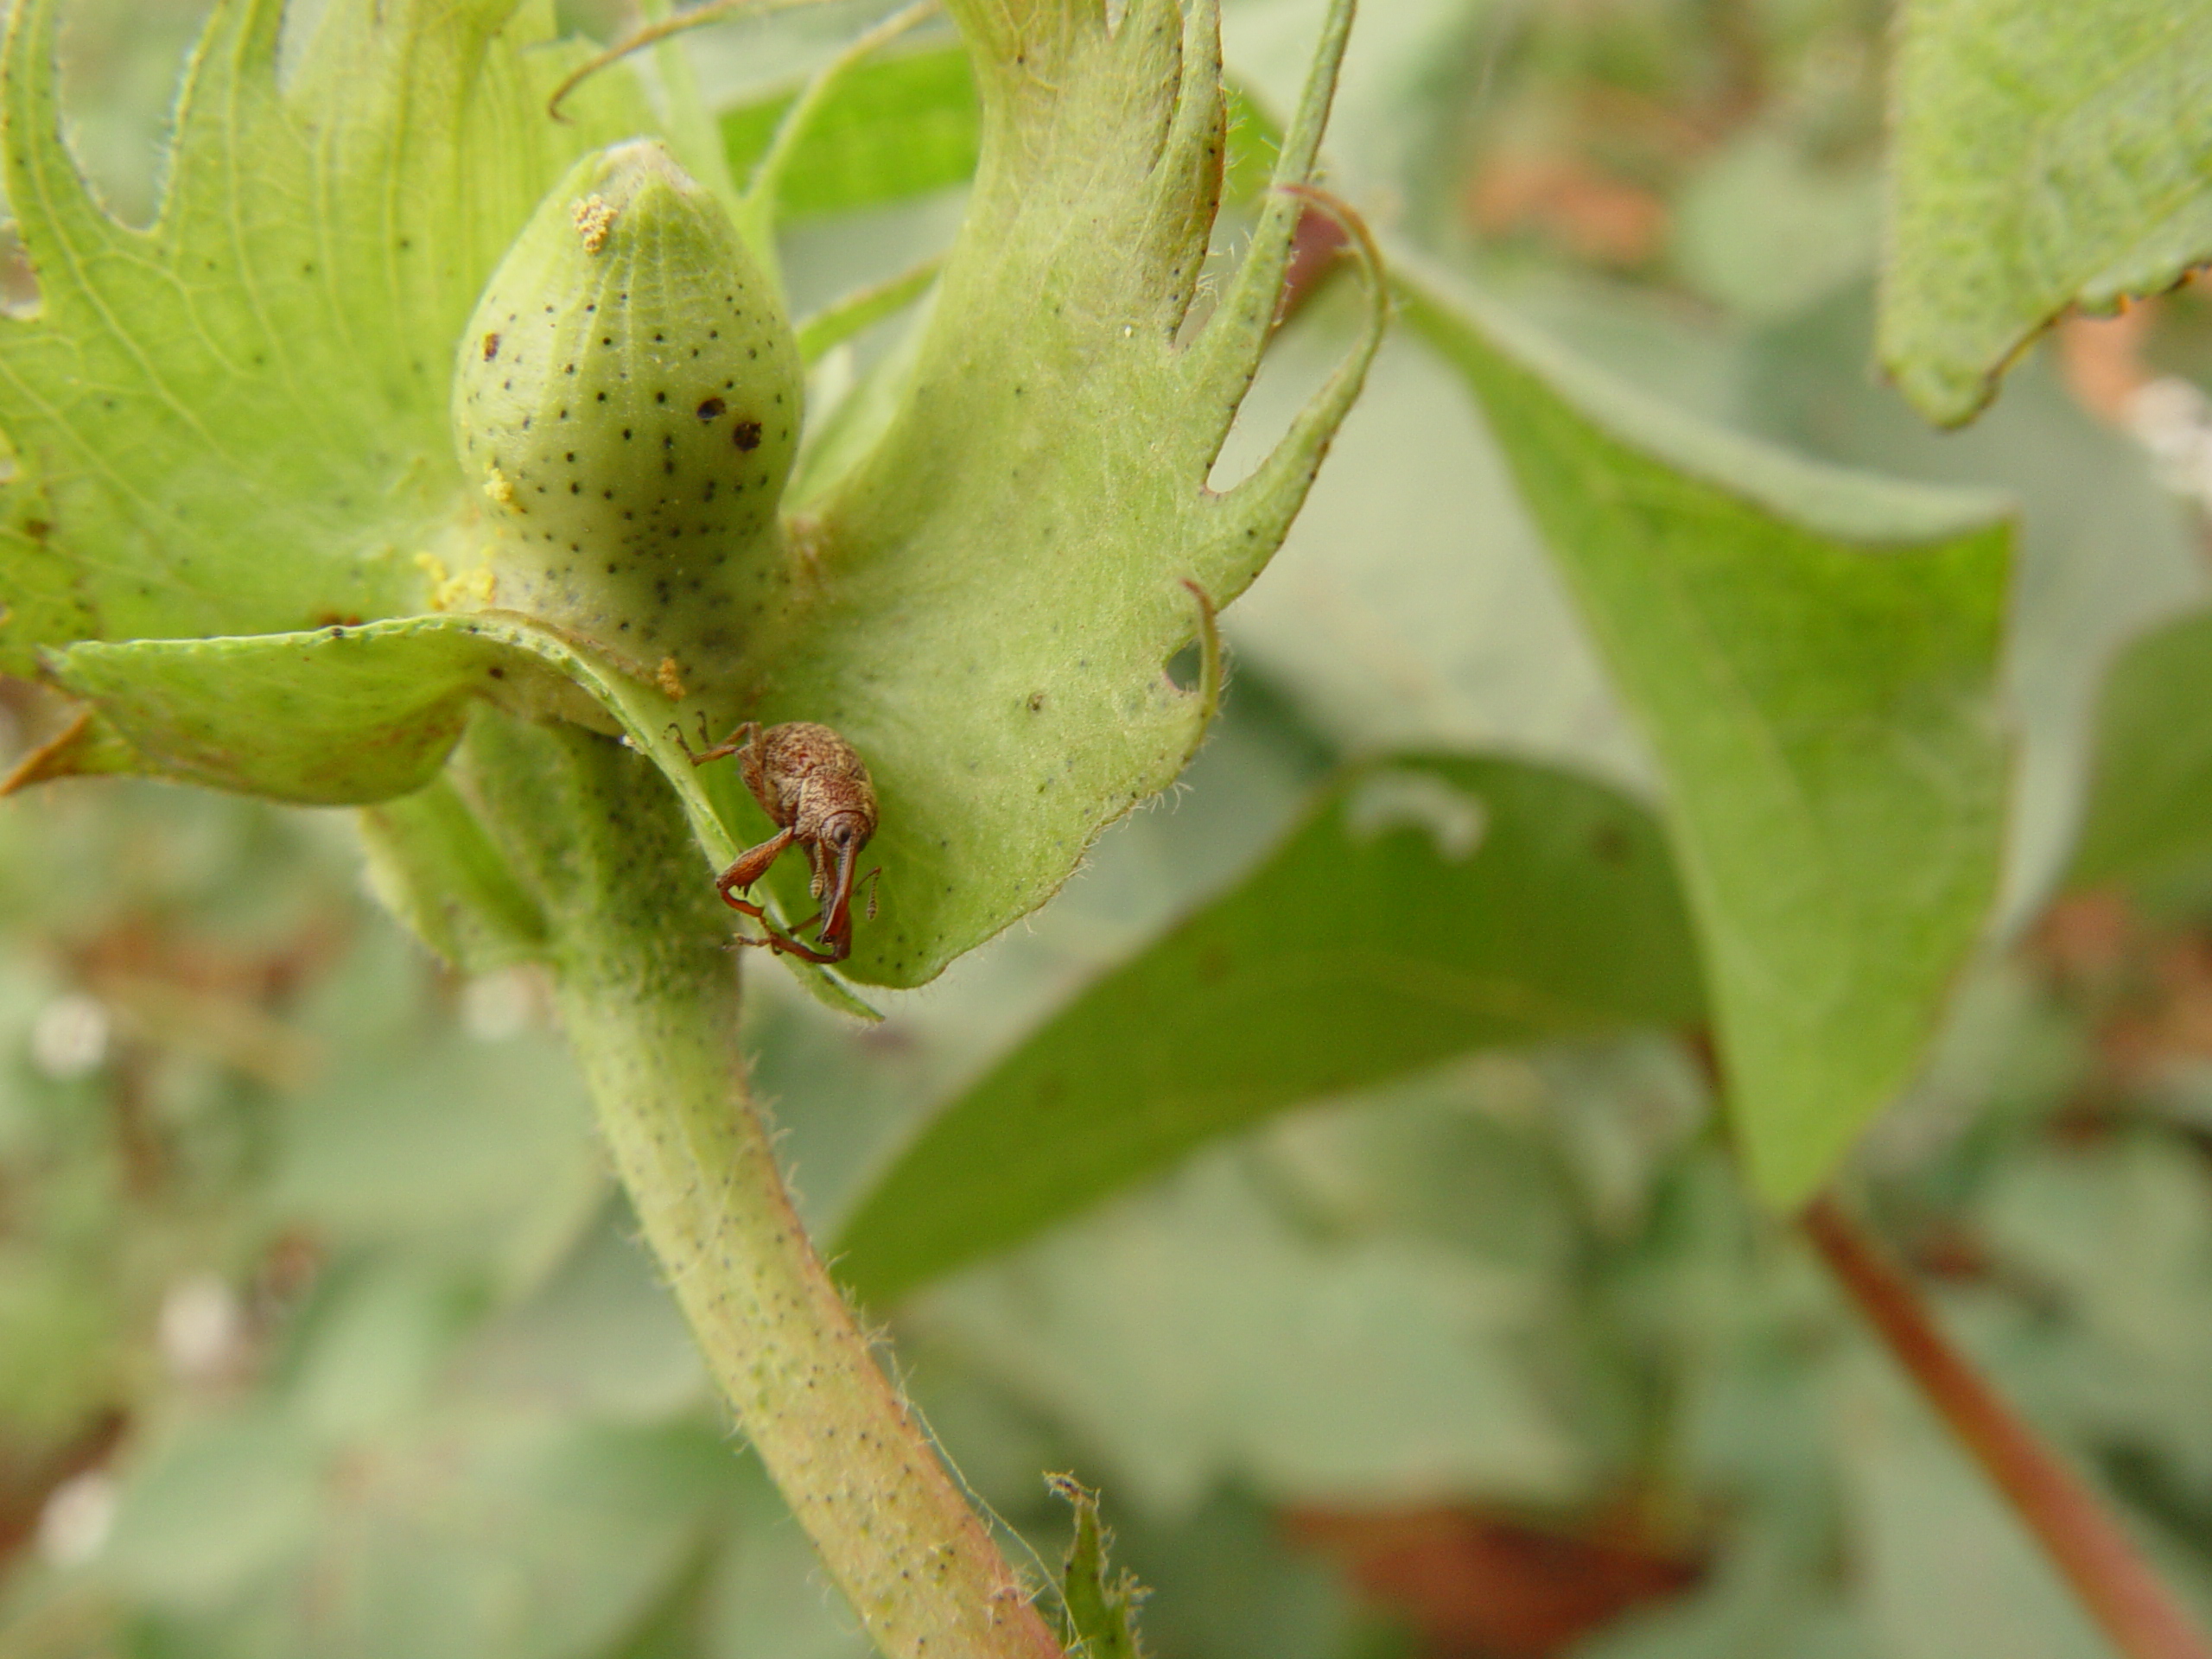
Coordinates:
column 1813, row 655
column 235, row 421
column 1949, row 1571
column 1212, row 1330
column 1414, row 605
column 1763, row 229
column 897, row 127
column 382, row 1155
column 1100, row 1618
column 2150, row 802
column 2104, row 551
column 2042, row 159
column 481, row 1528
column 856, row 311
column 1426, row 906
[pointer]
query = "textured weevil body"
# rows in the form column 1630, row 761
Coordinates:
column 815, row 789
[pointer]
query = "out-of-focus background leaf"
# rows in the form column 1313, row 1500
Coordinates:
column 1426, row 906
column 2044, row 161
column 320, row 1333
column 1837, row 810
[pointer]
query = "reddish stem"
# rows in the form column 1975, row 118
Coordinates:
column 2080, row 1534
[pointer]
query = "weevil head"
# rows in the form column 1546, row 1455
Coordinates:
column 626, row 399
column 847, row 833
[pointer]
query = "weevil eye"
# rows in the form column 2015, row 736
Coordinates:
column 843, row 834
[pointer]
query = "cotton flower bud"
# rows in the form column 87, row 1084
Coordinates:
column 627, row 401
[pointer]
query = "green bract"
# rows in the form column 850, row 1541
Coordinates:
column 231, row 451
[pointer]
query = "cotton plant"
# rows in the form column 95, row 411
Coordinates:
column 428, row 456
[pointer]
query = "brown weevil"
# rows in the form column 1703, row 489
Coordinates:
column 815, row 790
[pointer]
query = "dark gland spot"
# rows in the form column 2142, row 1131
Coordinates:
column 712, row 409
column 490, row 347
column 746, row 434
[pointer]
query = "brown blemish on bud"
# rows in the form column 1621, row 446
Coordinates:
column 490, row 347
column 594, row 217
column 746, row 434
column 670, row 677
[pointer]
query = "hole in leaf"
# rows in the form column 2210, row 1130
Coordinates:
column 1187, row 667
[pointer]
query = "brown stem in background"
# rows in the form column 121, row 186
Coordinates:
column 2077, row 1531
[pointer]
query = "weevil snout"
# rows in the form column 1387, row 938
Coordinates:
column 842, row 837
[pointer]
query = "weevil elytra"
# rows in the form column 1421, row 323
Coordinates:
column 815, row 789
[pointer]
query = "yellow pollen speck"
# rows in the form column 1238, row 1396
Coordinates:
column 470, row 590
column 594, row 217
column 500, row 488
column 669, row 675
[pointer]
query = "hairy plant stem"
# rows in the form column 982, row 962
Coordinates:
column 2083, row 1537
column 649, row 995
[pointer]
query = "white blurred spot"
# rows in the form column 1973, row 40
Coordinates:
column 201, row 1328
column 832, row 380
column 498, row 1005
column 1418, row 800
column 80, row 1513
column 69, row 1038
column 2173, row 419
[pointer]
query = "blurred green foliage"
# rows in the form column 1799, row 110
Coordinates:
column 320, row 1333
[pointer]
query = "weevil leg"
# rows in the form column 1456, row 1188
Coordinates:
column 736, row 740
column 746, row 907
column 780, row 942
column 838, row 951
column 781, row 945
column 840, row 945
column 751, row 864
